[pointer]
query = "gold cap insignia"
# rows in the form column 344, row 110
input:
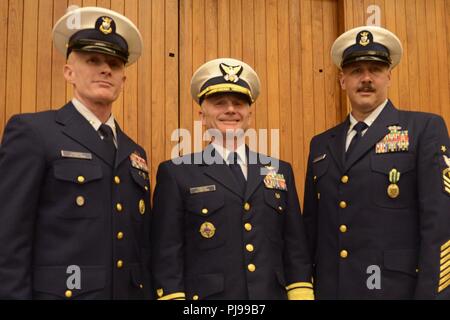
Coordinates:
column 231, row 73
column 207, row 230
column 105, row 27
column 364, row 38
column 160, row 292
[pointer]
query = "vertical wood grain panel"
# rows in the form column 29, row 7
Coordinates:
column 58, row 97
column 423, row 56
column 29, row 55
column 3, row 61
column 443, row 47
column 260, row 107
column 413, row 56
column 130, row 91
column 317, row 66
column 14, row 52
column 186, row 69
column 211, row 25
column 433, row 67
column 273, row 101
column 118, row 105
column 158, row 83
column 284, row 79
column 297, row 141
column 171, row 73
column 144, row 102
column 307, row 76
column 248, row 38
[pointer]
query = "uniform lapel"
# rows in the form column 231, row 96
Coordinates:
column 219, row 171
column 254, row 175
column 336, row 143
column 79, row 129
column 125, row 146
column 377, row 131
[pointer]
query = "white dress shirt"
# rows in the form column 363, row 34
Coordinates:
column 93, row 120
column 369, row 120
column 241, row 151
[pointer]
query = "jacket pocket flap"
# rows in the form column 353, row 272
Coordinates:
column 385, row 162
column 276, row 199
column 140, row 177
column 401, row 260
column 70, row 170
column 205, row 204
column 205, row 285
column 320, row 167
column 55, row 280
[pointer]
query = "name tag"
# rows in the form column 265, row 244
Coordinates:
column 320, row 158
column 76, row 155
column 203, row 189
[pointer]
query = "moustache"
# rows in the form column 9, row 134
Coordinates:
column 366, row 88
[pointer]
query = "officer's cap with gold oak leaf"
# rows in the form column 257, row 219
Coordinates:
column 367, row 43
column 225, row 75
column 100, row 30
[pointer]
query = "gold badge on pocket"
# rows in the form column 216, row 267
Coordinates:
column 207, row 230
column 393, row 190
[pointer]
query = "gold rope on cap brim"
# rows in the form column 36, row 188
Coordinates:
column 225, row 87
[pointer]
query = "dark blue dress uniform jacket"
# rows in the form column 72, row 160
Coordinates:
column 347, row 208
column 49, row 220
column 183, row 261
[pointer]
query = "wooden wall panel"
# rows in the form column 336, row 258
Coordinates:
column 284, row 42
column 287, row 42
column 3, row 59
column 421, row 80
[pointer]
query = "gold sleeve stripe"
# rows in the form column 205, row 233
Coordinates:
column 445, row 245
column 445, row 252
column 299, row 285
column 445, row 265
column 173, row 296
column 444, row 273
column 301, row 294
column 445, row 259
column 444, row 285
column 444, row 279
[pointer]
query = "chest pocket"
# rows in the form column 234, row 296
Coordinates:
column 206, row 226
column 79, row 172
column 141, row 178
column 275, row 199
column 320, row 168
column 76, row 187
column 381, row 165
column 141, row 204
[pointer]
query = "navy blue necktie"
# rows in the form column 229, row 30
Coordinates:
column 237, row 171
column 359, row 128
column 108, row 139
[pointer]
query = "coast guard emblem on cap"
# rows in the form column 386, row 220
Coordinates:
column 105, row 27
column 364, row 38
column 231, row 73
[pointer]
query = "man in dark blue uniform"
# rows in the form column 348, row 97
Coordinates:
column 74, row 188
column 226, row 223
column 377, row 198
